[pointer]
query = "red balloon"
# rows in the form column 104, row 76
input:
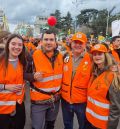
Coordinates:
column 52, row 21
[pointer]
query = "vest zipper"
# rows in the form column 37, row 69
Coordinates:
column 71, row 88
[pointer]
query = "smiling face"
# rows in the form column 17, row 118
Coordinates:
column 48, row 42
column 77, row 47
column 99, row 58
column 15, row 48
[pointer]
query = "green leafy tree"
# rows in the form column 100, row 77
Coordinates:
column 66, row 23
column 99, row 23
column 86, row 16
column 57, row 14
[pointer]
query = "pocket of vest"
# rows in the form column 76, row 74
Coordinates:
column 64, row 87
column 80, row 88
column 63, row 90
column 65, row 84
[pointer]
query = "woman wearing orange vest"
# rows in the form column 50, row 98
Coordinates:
column 12, row 110
column 103, row 98
column 76, row 75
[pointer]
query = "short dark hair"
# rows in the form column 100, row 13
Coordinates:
column 49, row 31
column 114, row 38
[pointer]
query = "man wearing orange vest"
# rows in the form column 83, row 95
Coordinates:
column 76, row 75
column 116, row 48
column 45, row 96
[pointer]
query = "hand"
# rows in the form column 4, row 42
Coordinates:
column 114, row 68
column 119, row 69
column 14, row 87
column 38, row 76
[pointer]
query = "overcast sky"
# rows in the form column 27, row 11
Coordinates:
column 26, row 10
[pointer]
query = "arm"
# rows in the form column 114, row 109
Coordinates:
column 113, row 119
column 2, row 87
column 29, row 77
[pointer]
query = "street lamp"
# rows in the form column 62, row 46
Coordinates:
column 76, row 3
column 108, row 15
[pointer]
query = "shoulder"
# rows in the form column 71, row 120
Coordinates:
column 37, row 52
column 88, row 57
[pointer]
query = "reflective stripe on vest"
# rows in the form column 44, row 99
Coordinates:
column 97, row 103
column 51, row 78
column 8, row 103
column 49, row 89
column 104, row 118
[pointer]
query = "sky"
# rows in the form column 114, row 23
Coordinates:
column 25, row 10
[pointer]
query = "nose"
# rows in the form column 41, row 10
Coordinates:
column 16, row 46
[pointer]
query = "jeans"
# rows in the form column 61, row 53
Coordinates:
column 68, row 111
column 44, row 116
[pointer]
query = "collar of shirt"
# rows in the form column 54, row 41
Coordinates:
column 78, row 58
column 97, row 71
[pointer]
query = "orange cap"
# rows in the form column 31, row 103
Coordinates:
column 99, row 48
column 79, row 36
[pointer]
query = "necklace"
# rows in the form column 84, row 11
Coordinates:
column 13, row 59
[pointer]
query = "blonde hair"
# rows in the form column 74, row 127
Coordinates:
column 109, row 62
column 116, row 81
column 116, row 78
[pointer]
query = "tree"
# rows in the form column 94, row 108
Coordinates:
column 99, row 24
column 64, row 24
column 86, row 16
column 57, row 14
column 67, row 23
column 94, row 19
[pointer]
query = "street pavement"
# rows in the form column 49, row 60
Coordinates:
column 59, row 122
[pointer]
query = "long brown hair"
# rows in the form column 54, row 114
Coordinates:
column 5, row 55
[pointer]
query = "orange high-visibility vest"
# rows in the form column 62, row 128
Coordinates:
column 116, row 56
column 97, row 110
column 30, row 46
column 13, row 76
column 111, row 47
column 75, row 90
column 52, row 77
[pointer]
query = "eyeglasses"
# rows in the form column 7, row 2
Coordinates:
column 51, row 39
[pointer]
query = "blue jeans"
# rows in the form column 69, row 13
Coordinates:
column 68, row 111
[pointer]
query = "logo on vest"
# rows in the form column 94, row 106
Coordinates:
column 66, row 59
column 65, row 68
column 86, row 62
column 85, row 65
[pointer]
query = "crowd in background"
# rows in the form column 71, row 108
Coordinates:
column 82, row 74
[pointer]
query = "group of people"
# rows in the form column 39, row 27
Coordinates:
column 86, row 83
